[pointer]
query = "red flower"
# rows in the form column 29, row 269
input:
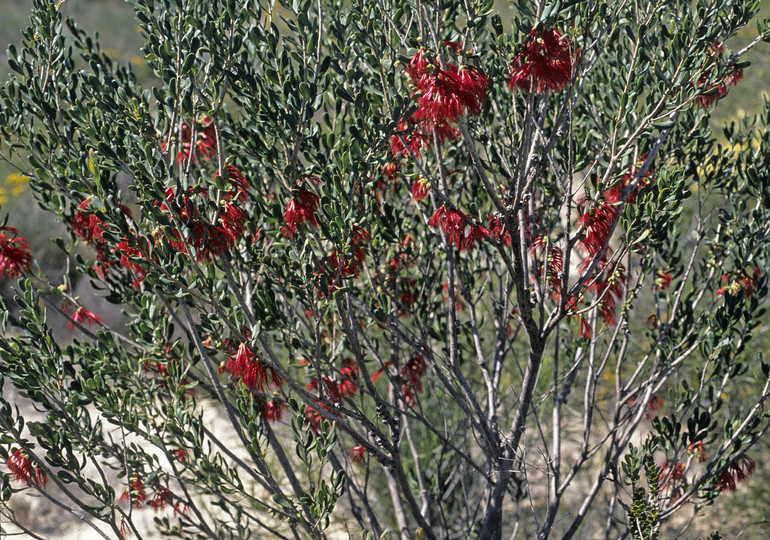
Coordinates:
column 22, row 471
column 357, row 454
column 348, row 263
column 160, row 499
column 136, row 494
column 599, row 223
column 180, row 454
column 271, row 410
column 498, row 231
column 414, row 140
column 256, row 376
column 663, row 280
column 741, row 281
column 82, row 316
column 545, row 63
column 670, row 474
column 15, row 257
column 301, row 209
column 717, row 90
column 585, row 329
column 347, row 386
column 613, row 194
column 420, row 188
column 452, row 222
column 696, row 449
column 125, row 252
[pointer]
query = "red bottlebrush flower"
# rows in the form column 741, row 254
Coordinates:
column 331, row 390
column 357, row 454
column 475, row 234
column 123, row 249
column 697, row 450
column 669, row 474
column 614, row 194
column 390, row 169
column 136, row 493
column 444, row 94
column 554, row 262
column 726, row 481
column 414, row 140
column 22, row 470
column 161, row 499
column 231, row 220
column 238, row 183
column 545, row 63
column 125, row 529
column 585, row 329
column 180, row 454
column 301, row 209
column 271, row 410
column 15, row 257
column 420, row 188
column 207, row 141
column 654, row 405
column 418, row 66
column 347, row 386
column 453, row 223
column 740, row 281
column 83, row 316
column 255, row 375
column 348, row 263
column 717, row 90
column 713, row 93
column 498, row 231
column 412, row 374
column 663, row 280
column 599, row 223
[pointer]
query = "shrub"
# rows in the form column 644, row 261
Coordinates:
column 389, row 268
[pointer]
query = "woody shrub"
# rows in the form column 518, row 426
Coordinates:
column 389, row 269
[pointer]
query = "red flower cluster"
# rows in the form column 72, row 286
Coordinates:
column 663, row 280
column 301, row 209
column 212, row 240
column 82, row 316
column 670, row 474
column 545, row 63
column 554, row 263
column 125, row 251
column 740, row 281
column 614, row 193
column 205, row 144
column 716, row 91
column 15, row 257
column 161, row 499
column 411, row 375
column 136, row 494
column 180, row 454
column 457, row 228
column 22, row 470
column 444, row 94
column 271, row 410
column 598, row 224
column 498, row 231
column 331, row 392
column 255, row 374
column 348, row 262
column 697, row 450
column 420, row 188
column 735, row 473
column 357, row 454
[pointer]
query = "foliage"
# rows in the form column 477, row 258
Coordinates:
column 389, row 268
